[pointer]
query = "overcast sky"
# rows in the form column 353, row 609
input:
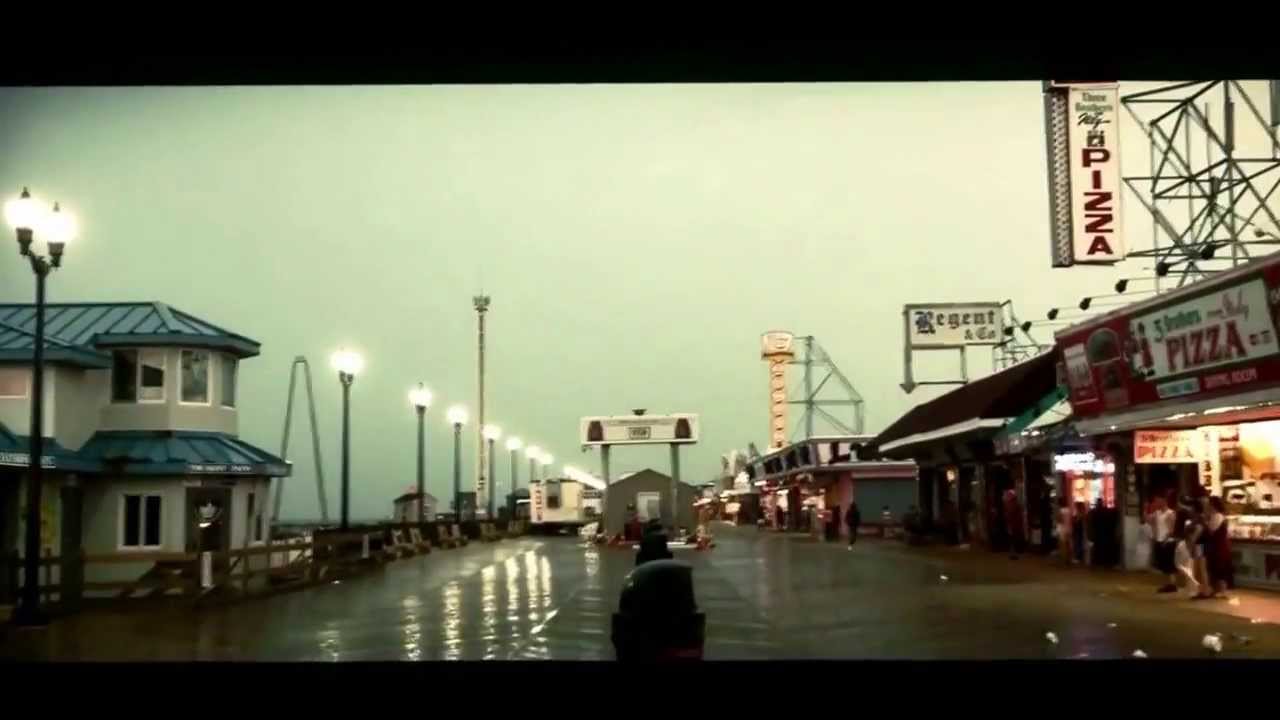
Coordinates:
column 636, row 241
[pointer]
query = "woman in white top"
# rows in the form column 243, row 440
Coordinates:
column 1064, row 531
column 1161, row 521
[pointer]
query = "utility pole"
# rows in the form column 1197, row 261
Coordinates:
column 482, row 467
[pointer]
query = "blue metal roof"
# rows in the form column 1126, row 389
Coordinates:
column 180, row 452
column 76, row 332
column 14, row 452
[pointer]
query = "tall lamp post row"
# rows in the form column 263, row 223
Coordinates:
column 39, row 230
column 349, row 364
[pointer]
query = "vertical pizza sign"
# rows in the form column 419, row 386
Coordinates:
column 1082, row 126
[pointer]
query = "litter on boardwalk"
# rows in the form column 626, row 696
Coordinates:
column 1256, row 621
column 1051, row 637
column 1139, row 654
column 1113, row 626
column 943, row 578
column 1212, row 643
column 1234, row 601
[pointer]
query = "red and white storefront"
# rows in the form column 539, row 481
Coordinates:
column 1184, row 390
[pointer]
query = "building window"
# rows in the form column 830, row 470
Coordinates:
column 137, row 376
column 140, row 521
column 15, row 382
column 151, row 382
column 255, row 519
column 228, row 381
column 124, row 376
column 195, row 377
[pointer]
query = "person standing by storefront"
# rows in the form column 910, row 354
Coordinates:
column 1013, row 522
column 1218, row 548
column 1183, row 561
column 854, row 519
column 1066, row 534
column 1078, row 519
column 1161, row 521
column 1197, row 537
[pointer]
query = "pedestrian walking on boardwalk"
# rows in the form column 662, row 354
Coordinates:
column 853, row 518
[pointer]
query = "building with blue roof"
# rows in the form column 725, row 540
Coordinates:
column 140, row 423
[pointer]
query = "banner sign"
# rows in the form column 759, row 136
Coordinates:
column 679, row 428
column 1082, row 142
column 943, row 325
column 1198, row 342
column 24, row 460
column 236, row 469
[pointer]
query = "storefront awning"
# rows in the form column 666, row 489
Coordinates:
column 975, row 410
column 181, row 453
column 1232, row 409
column 1050, row 409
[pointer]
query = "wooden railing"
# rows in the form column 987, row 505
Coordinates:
column 326, row 555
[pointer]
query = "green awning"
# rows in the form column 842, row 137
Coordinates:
column 1040, row 409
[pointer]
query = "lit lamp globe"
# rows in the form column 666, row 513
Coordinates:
column 25, row 215
column 457, row 415
column 547, row 458
column 58, row 228
column 420, row 397
column 347, row 362
column 533, row 451
column 514, row 443
column 491, row 432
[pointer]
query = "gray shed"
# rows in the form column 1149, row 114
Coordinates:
column 638, row 489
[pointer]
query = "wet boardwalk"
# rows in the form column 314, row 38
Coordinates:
column 765, row 596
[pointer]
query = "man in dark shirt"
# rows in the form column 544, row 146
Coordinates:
column 853, row 518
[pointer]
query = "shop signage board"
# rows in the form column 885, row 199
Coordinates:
column 24, row 460
column 950, row 325
column 1082, row 148
column 1215, row 338
column 1167, row 446
column 679, row 428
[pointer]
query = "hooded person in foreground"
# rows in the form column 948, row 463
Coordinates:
column 658, row 616
column 653, row 546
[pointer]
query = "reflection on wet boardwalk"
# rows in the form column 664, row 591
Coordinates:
column 764, row 596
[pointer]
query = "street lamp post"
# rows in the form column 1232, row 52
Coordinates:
column 491, row 434
column 348, row 363
column 533, row 452
column 457, row 417
column 514, row 444
column 26, row 215
column 546, row 459
column 420, row 398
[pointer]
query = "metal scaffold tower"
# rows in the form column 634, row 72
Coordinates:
column 315, row 440
column 1214, row 171
column 841, row 393
column 1018, row 343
